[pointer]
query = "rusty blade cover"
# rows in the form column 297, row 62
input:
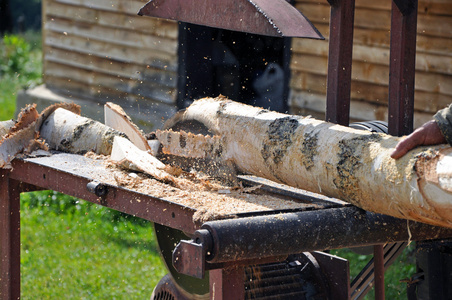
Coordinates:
column 265, row 17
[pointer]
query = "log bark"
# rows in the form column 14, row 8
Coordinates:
column 5, row 126
column 333, row 160
column 66, row 131
column 23, row 134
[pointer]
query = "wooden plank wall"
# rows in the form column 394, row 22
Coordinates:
column 370, row 70
column 102, row 49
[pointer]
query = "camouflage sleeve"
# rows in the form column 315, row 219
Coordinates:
column 444, row 120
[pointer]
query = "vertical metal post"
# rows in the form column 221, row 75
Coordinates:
column 379, row 272
column 227, row 283
column 340, row 61
column 402, row 69
column 9, row 237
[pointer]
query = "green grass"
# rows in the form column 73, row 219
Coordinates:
column 72, row 249
column 20, row 68
column 403, row 267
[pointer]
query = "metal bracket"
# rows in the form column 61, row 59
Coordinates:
column 189, row 257
column 411, row 285
column 97, row 188
column 363, row 281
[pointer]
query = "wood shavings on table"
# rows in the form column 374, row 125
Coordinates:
column 206, row 197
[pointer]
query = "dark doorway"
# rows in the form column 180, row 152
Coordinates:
column 245, row 67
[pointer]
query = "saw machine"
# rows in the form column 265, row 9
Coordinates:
column 270, row 253
column 267, row 254
column 307, row 275
column 195, row 80
column 203, row 245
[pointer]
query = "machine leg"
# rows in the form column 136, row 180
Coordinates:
column 379, row 263
column 9, row 237
column 227, row 283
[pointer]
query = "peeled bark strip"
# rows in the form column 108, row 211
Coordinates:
column 69, row 132
column 337, row 161
column 19, row 135
column 27, row 116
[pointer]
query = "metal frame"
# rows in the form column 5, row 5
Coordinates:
column 224, row 281
column 401, row 81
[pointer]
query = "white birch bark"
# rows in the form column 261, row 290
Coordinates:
column 69, row 132
column 337, row 161
column 5, row 126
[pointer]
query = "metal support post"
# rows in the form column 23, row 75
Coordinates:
column 379, row 272
column 340, row 61
column 227, row 283
column 402, row 69
column 9, row 237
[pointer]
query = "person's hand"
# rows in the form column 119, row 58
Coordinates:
column 427, row 134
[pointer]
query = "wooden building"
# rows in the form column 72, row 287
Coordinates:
column 100, row 50
column 370, row 70
column 96, row 51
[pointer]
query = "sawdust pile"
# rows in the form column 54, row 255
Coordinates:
column 211, row 199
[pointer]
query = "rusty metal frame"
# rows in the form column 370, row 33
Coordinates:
column 25, row 176
column 402, row 69
column 340, row 61
column 10, row 236
column 401, row 80
column 127, row 201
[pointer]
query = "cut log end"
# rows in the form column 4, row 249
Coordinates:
column 116, row 118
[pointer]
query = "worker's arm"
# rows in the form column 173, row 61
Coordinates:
column 444, row 120
column 437, row 131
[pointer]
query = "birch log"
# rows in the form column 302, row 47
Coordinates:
column 337, row 161
column 23, row 135
column 65, row 131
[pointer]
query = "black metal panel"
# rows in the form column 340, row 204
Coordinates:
column 215, row 61
column 434, row 261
